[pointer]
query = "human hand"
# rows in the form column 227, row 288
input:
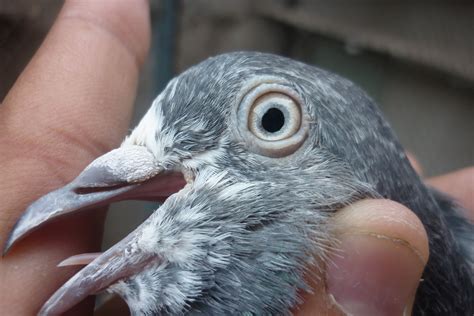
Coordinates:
column 72, row 103
column 384, row 249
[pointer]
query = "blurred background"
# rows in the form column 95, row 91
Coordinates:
column 415, row 58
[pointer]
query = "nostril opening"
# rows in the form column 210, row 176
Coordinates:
column 273, row 120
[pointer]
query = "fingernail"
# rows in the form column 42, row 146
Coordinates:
column 374, row 275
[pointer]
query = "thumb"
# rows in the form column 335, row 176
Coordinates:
column 382, row 252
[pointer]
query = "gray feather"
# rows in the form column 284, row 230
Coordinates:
column 253, row 247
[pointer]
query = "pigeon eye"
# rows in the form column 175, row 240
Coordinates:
column 271, row 120
column 274, row 116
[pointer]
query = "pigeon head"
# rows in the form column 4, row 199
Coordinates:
column 250, row 154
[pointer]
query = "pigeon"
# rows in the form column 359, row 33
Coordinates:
column 251, row 154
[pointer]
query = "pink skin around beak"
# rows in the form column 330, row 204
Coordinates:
column 125, row 173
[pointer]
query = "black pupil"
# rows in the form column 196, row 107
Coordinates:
column 273, row 120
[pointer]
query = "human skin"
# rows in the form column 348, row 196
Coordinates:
column 73, row 102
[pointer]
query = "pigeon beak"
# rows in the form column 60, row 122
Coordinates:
column 130, row 172
column 123, row 260
column 125, row 173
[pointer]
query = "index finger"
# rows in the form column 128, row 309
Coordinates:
column 82, row 81
column 72, row 102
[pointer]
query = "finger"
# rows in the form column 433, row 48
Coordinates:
column 383, row 251
column 74, row 99
column 72, row 102
column 414, row 163
column 458, row 184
